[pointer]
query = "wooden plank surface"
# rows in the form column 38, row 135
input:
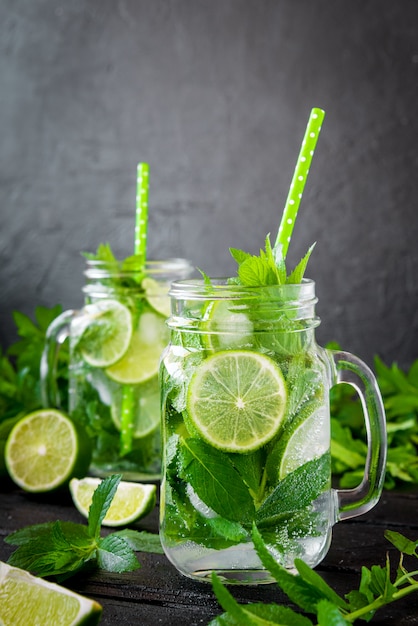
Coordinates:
column 157, row 594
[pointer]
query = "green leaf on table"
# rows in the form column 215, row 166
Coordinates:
column 329, row 615
column 141, row 541
column 115, row 555
column 402, row 543
column 102, row 499
column 313, row 578
column 215, row 480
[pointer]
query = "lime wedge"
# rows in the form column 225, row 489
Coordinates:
column 307, row 440
column 141, row 360
column 157, row 296
column 27, row 599
column 131, row 502
column 146, row 409
column 107, row 330
column 236, row 400
column 220, row 325
column 45, row 449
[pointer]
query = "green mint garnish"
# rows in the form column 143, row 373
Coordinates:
column 62, row 548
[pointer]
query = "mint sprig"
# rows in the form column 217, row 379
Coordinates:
column 269, row 267
column 378, row 587
column 61, row 549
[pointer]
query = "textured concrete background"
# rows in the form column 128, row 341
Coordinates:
column 215, row 95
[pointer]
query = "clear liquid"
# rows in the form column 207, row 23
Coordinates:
column 195, row 537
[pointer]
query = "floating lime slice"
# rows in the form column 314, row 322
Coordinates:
column 157, row 296
column 141, row 360
column 226, row 327
column 236, row 400
column 27, row 599
column 107, row 330
column 307, row 440
column 146, row 409
column 131, row 502
column 45, row 449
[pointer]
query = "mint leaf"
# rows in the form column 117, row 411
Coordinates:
column 329, row 615
column 215, row 480
column 141, row 541
column 102, row 499
column 298, row 273
column 298, row 590
column 310, row 576
column 115, row 555
column 402, row 543
column 296, row 491
column 239, row 614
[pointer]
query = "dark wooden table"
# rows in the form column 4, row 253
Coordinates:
column 156, row 594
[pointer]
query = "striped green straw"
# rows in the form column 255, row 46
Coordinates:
column 141, row 227
column 299, row 179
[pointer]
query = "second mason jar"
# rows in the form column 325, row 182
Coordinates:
column 115, row 343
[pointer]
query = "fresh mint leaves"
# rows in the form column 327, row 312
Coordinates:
column 269, row 268
column 61, row 549
column 378, row 587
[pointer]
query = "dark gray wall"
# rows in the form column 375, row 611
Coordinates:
column 215, row 95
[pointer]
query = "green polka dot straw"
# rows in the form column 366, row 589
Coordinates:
column 141, row 225
column 299, row 179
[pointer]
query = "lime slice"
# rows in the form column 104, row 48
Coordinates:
column 27, row 599
column 106, row 332
column 307, row 440
column 236, row 400
column 141, row 361
column 221, row 323
column 131, row 501
column 146, row 409
column 45, row 449
column 157, row 296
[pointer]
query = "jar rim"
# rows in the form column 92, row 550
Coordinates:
column 96, row 269
column 221, row 288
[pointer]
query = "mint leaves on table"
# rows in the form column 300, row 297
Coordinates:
column 308, row 590
column 61, row 549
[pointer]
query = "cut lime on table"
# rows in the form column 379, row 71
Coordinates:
column 157, row 296
column 308, row 440
column 131, row 502
column 146, row 409
column 107, row 331
column 141, row 360
column 237, row 399
column 45, row 449
column 27, row 599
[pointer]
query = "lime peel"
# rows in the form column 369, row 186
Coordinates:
column 131, row 502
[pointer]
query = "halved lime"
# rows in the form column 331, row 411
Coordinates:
column 236, row 400
column 307, row 440
column 146, row 408
column 157, row 295
column 45, row 449
column 131, row 501
column 226, row 327
column 141, row 360
column 27, row 599
column 106, row 332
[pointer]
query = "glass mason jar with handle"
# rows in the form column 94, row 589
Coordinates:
column 246, row 430
column 115, row 343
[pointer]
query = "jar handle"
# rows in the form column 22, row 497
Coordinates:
column 56, row 334
column 353, row 371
